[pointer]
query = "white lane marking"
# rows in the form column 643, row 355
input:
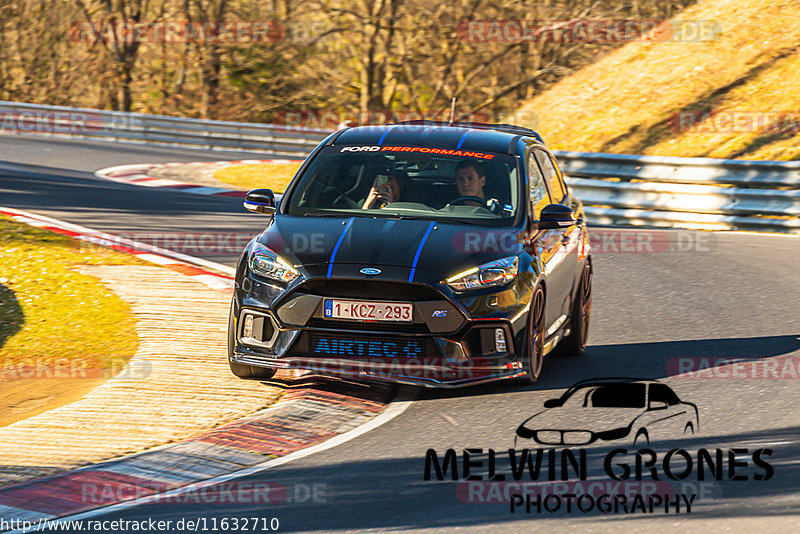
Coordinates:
column 214, row 282
column 123, row 168
column 159, row 182
column 160, row 260
column 397, row 407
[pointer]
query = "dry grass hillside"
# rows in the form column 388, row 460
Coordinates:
column 737, row 95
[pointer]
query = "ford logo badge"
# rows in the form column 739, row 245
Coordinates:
column 370, row 270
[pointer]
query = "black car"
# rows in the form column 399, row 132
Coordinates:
column 610, row 409
column 417, row 253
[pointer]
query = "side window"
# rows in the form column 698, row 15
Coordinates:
column 537, row 192
column 557, row 189
column 559, row 172
column 662, row 393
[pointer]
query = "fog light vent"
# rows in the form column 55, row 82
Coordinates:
column 257, row 329
column 499, row 340
column 247, row 330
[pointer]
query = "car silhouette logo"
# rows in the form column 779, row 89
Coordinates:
column 638, row 410
column 370, row 271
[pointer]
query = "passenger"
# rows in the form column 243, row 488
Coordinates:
column 392, row 190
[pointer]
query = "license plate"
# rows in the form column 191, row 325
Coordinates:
column 360, row 310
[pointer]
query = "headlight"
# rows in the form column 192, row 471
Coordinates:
column 266, row 263
column 495, row 273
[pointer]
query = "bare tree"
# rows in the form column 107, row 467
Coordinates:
column 336, row 55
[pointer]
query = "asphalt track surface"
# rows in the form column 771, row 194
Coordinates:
column 737, row 297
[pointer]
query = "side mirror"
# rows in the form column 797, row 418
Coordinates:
column 556, row 216
column 658, row 405
column 260, row 201
column 552, row 403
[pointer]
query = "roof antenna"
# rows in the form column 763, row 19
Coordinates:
column 452, row 112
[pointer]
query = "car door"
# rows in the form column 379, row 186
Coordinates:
column 562, row 245
column 666, row 416
column 544, row 244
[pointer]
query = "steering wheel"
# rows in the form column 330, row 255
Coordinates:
column 463, row 200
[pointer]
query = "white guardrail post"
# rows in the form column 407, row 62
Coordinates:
column 618, row 189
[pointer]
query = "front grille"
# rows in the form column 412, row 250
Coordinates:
column 369, row 289
column 335, row 345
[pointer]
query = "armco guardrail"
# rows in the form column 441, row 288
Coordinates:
column 703, row 193
column 618, row 189
column 158, row 129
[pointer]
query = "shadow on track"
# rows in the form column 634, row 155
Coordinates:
column 390, row 493
column 641, row 360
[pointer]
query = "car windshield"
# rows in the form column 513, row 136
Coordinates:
column 620, row 395
column 414, row 182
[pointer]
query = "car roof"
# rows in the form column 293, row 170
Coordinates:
column 606, row 381
column 499, row 138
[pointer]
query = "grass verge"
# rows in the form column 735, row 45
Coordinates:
column 275, row 176
column 61, row 332
column 729, row 93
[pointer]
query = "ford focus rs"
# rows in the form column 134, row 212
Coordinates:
column 415, row 253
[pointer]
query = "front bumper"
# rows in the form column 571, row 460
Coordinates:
column 446, row 345
column 419, row 375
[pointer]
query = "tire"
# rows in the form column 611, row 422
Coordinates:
column 575, row 343
column 534, row 339
column 641, row 438
column 247, row 372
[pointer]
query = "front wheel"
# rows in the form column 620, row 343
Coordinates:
column 575, row 342
column 534, row 344
column 247, row 372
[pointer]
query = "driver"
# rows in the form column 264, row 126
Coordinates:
column 470, row 179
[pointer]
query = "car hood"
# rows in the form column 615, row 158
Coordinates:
column 592, row 419
column 376, row 242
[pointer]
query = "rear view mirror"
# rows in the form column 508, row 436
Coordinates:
column 260, row 201
column 552, row 403
column 556, row 216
